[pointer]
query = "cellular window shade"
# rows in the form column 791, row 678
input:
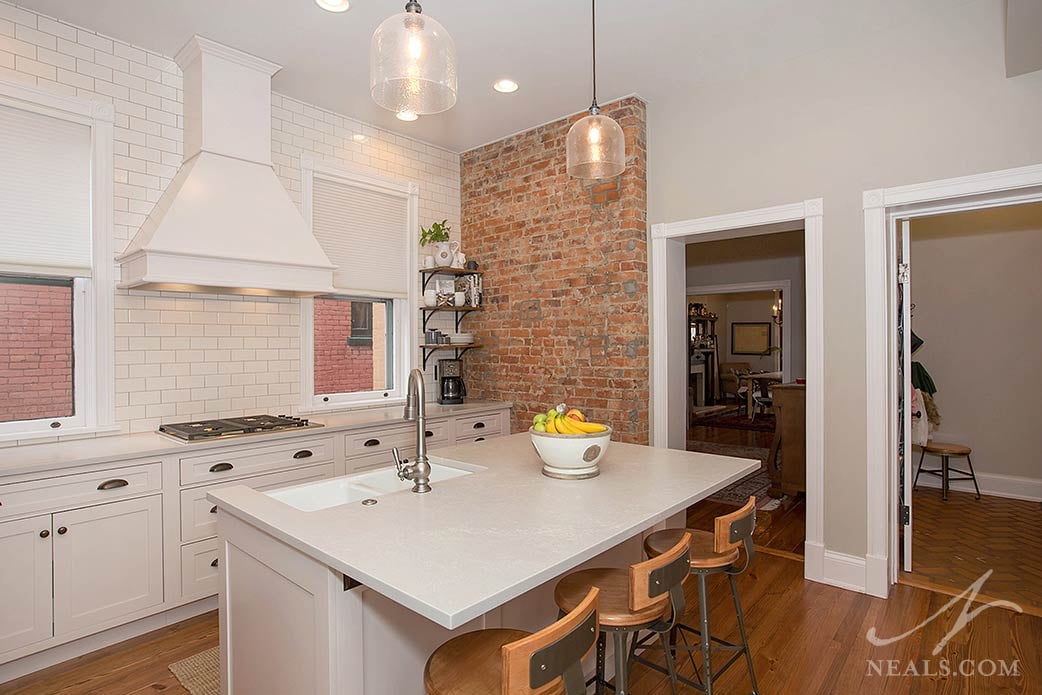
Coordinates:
column 365, row 233
column 45, row 191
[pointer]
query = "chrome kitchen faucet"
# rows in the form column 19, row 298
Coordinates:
column 416, row 410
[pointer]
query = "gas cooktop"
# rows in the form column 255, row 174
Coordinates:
column 233, row 427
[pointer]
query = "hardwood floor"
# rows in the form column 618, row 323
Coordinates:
column 955, row 542
column 727, row 435
column 806, row 638
column 135, row 667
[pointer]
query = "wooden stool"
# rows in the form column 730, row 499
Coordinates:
column 515, row 662
column 946, row 450
column 645, row 596
column 712, row 553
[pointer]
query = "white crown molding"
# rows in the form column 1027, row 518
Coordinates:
column 199, row 45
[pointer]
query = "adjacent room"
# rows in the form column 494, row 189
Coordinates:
column 373, row 347
column 974, row 289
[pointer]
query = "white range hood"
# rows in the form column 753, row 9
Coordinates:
column 225, row 223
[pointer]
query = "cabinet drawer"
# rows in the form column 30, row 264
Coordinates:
column 373, row 441
column 80, row 489
column 199, row 517
column 200, row 571
column 236, row 462
column 479, row 438
column 479, row 425
column 364, row 463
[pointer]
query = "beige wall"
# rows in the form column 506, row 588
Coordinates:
column 919, row 97
column 976, row 289
column 741, row 306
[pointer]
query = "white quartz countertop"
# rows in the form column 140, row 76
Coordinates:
column 31, row 458
column 477, row 541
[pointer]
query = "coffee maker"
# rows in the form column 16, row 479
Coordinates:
column 450, row 379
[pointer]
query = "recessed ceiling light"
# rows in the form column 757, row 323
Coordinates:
column 505, row 86
column 334, row 5
column 406, row 115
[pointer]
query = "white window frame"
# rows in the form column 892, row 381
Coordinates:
column 404, row 321
column 93, row 297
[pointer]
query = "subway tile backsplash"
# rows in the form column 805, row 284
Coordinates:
column 186, row 356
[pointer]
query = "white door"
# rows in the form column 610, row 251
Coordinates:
column 108, row 562
column 25, row 582
column 904, row 350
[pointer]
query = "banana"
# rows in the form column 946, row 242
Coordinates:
column 589, row 427
column 566, row 425
column 551, row 426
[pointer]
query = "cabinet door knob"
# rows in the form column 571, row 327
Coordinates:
column 213, row 509
column 371, row 442
column 113, row 484
column 62, row 530
column 44, row 533
column 216, row 561
column 303, row 454
column 479, row 425
column 221, row 467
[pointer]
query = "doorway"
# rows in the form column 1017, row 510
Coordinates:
column 887, row 212
column 968, row 287
column 670, row 343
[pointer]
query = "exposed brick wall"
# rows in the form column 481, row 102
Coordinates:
column 566, row 280
column 339, row 367
column 35, row 351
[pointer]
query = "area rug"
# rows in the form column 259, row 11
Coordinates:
column 200, row 674
column 737, row 450
column 735, row 421
column 755, row 485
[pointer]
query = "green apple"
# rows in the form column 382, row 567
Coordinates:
column 539, row 427
column 552, row 413
column 541, row 417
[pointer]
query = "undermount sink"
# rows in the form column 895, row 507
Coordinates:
column 311, row 497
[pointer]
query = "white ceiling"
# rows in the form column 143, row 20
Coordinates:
column 650, row 47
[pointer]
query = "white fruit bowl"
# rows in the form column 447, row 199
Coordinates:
column 572, row 456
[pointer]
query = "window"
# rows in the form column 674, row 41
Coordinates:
column 56, row 294
column 356, row 342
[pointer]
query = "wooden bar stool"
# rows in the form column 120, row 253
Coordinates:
column 646, row 596
column 946, row 450
column 712, row 553
column 515, row 662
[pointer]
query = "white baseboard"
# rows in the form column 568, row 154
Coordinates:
column 844, row 571
column 877, row 576
column 85, row 645
column 1009, row 486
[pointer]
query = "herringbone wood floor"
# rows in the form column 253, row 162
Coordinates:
column 955, row 542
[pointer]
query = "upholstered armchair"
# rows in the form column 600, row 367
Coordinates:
column 729, row 384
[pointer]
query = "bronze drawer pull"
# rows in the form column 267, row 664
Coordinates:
column 371, row 442
column 213, row 509
column 221, row 467
column 428, row 433
column 480, row 439
column 215, row 562
column 303, row 454
column 479, row 425
column 113, row 484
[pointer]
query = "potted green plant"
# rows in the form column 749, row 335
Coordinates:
column 437, row 236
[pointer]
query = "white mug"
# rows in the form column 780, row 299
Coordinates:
column 428, row 261
column 430, row 298
column 461, row 298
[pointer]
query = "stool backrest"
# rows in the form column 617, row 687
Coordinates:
column 533, row 664
column 736, row 529
column 652, row 579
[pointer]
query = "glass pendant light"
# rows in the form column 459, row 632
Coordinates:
column 412, row 64
column 596, row 145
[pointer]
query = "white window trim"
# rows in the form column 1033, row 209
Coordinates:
column 93, row 298
column 404, row 311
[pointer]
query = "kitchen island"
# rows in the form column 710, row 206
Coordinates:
column 346, row 586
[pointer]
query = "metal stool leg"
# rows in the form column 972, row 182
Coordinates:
column 919, row 469
column 670, row 666
column 602, row 640
column 741, row 630
column 944, row 478
column 973, row 475
column 703, row 611
column 621, row 664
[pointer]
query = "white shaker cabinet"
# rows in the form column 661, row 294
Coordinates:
column 25, row 581
column 108, row 562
